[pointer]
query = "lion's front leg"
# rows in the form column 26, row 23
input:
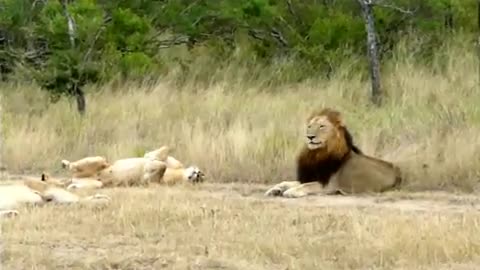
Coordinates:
column 280, row 188
column 303, row 190
column 313, row 188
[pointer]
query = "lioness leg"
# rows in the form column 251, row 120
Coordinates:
column 280, row 188
column 312, row 188
column 85, row 167
column 153, row 172
column 303, row 190
column 97, row 198
column 86, row 183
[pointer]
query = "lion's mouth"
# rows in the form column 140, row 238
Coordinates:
column 316, row 144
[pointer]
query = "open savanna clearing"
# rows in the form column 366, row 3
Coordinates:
column 233, row 226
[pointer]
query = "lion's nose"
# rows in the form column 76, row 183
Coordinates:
column 310, row 137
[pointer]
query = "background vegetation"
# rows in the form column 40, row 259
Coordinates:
column 227, row 83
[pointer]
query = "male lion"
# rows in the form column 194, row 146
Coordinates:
column 39, row 192
column 330, row 163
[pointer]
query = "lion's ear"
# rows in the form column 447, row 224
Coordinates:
column 340, row 121
column 337, row 118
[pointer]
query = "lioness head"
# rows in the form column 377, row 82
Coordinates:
column 323, row 127
column 194, row 174
column 47, row 179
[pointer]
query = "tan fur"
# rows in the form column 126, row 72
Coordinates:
column 162, row 154
column 180, row 175
column 39, row 192
column 156, row 166
column 158, row 154
column 330, row 163
column 84, row 183
column 132, row 172
column 122, row 176
column 85, row 167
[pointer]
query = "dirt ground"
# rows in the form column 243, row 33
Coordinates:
column 233, row 226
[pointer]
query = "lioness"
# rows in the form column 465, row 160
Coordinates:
column 39, row 192
column 156, row 166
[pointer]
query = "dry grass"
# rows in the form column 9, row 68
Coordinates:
column 243, row 133
column 249, row 134
column 203, row 228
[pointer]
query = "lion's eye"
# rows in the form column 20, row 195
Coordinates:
column 322, row 126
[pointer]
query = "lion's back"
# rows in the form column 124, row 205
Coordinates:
column 361, row 173
column 14, row 194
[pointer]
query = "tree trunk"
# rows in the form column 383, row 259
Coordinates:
column 372, row 50
column 70, row 23
column 2, row 166
column 478, row 41
column 77, row 91
column 80, row 97
column 448, row 20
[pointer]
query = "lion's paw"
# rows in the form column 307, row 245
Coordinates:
column 73, row 186
column 294, row 193
column 8, row 213
column 275, row 191
column 101, row 197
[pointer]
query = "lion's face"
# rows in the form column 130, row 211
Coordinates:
column 318, row 132
column 194, row 174
column 52, row 182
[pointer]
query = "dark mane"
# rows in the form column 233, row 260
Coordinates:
column 349, row 140
column 313, row 166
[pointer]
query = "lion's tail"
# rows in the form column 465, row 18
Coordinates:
column 399, row 178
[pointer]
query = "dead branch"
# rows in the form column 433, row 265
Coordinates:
column 279, row 37
column 70, row 22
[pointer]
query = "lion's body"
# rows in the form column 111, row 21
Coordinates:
column 84, row 183
column 175, row 176
column 85, row 167
column 132, row 172
column 155, row 167
column 38, row 192
column 162, row 155
column 330, row 163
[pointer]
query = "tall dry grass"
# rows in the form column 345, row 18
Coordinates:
column 250, row 132
column 184, row 228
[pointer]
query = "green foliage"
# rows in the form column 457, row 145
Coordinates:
column 128, row 37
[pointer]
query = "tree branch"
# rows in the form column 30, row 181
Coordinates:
column 381, row 3
column 70, row 21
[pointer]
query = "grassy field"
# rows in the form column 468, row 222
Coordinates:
column 248, row 134
column 251, row 133
column 233, row 227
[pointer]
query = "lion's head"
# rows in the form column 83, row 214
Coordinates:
column 194, row 174
column 325, row 129
column 327, row 144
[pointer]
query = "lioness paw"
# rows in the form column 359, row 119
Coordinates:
column 72, row 186
column 275, row 191
column 65, row 163
column 8, row 213
column 101, row 197
column 294, row 193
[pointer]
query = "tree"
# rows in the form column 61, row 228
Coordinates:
column 372, row 45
